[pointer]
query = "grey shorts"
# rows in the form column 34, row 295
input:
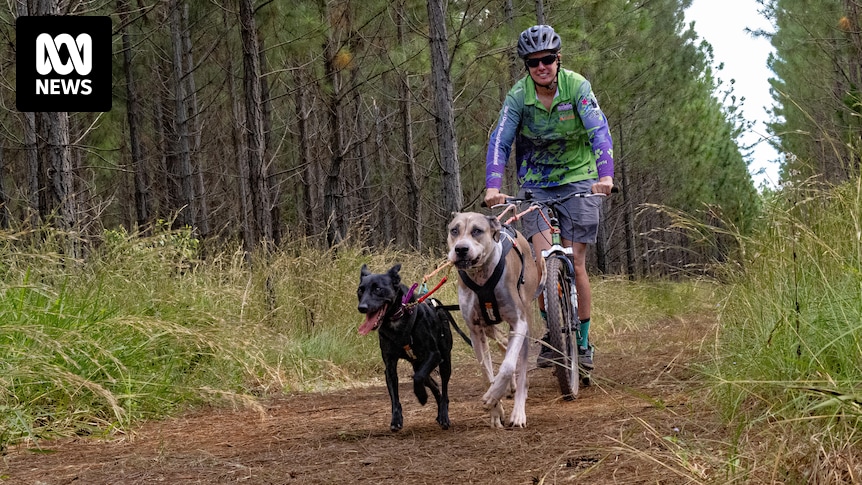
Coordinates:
column 578, row 216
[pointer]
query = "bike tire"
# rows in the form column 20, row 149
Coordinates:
column 558, row 306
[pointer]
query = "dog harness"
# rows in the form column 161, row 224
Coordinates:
column 485, row 293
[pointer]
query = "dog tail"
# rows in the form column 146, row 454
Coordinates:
column 446, row 309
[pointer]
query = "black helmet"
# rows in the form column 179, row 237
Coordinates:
column 538, row 38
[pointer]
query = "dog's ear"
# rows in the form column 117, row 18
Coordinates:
column 363, row 271
column 393, row 273
column 495, row 225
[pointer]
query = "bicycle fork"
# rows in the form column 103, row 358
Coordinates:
column 564, row 253
column 575, row 324
column 558, row 251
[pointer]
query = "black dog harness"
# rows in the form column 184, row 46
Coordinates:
column 485, row 293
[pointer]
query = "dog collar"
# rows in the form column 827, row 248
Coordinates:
column 405, row 308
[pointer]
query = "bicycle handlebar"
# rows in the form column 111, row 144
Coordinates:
column 528, row 197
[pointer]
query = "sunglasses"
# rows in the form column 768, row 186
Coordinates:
column 547, row 60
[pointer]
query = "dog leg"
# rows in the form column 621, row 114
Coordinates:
column 519, row 414
column 443, row 402
column 483, row 356
column 392, row 386
column 510, row 362
column 502, row 340
column 482, row 351
column 422, row 378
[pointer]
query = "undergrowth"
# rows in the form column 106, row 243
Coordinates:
column 788, row 368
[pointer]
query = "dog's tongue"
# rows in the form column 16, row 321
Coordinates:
column 371, row 321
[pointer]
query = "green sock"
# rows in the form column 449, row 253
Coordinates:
column 584, row 341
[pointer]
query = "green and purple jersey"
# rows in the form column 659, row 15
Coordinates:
column 569, row 143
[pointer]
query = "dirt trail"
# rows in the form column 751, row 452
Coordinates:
column 620, row 430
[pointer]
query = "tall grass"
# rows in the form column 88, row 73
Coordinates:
column 789, row 356
column 147, row 326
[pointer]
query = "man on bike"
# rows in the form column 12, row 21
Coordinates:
column 562, row 145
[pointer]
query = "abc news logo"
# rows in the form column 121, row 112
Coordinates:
column 63, row 63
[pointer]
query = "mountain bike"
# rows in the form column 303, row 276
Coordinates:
column 560, row 293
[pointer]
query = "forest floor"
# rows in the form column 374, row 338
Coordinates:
column 646, row 419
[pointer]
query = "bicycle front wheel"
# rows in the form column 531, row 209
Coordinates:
column 558, row 305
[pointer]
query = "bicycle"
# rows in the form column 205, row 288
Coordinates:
column 561, row 294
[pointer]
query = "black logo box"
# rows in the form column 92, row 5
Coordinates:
column 28, row 28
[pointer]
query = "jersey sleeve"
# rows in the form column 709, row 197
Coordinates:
column 597, row 128
column 500, row 142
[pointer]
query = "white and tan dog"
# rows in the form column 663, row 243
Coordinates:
column 477, row 244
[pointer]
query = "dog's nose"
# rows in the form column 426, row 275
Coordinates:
column 461, row 251
column 363, row 308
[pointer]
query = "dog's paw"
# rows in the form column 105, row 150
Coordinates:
column 443, row 412
column 419, row 390
column 443, row 421
column 496, row 413
column 397, row 420
column 518, row 418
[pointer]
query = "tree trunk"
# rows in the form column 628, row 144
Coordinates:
column 194, row 116
column 404, row 107
column 141, row 178
column 4, row 197
column 240, row 152
column 602, row 240
column 333, row 192
column 55, row 157
column 377, row 216
column 31, row 154
column 363, row 206
column 256, row 146
column 63, row 196
column 184, row 162
column 628, row 216
column 540, row 12
column 444, row 116
column 309, row 163
column 266, row 110
column 515, row 65
column 167, row 195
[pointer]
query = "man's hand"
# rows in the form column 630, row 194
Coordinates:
column 494, row 197
column 603, row 186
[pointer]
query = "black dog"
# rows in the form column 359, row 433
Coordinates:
column 418, row 333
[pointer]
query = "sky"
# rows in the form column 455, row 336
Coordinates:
column 723, row 24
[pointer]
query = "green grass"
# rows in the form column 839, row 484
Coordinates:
column 148, row 326
column 789, row 362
